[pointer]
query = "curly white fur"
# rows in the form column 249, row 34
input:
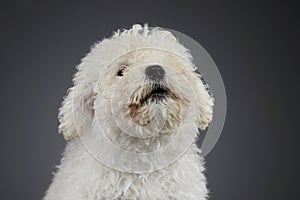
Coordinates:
column 88, row 102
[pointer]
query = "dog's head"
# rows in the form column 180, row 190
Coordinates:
column 140, row 83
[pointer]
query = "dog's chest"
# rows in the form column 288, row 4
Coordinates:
column 87, row 179
column 157, row 185
column 182, row 180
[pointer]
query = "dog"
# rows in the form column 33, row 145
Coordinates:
column 131, row 121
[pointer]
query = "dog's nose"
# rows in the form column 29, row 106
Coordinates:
column 155, row 72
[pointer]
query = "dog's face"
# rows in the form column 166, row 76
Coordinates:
column 143, row 93
column 148, row 90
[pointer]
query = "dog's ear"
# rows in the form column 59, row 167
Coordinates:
column 205, row 102
column 76, row 111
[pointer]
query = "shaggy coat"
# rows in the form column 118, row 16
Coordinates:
column 111, row 95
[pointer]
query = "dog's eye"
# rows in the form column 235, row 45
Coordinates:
column 121, row 72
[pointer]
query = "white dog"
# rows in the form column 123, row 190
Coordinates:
column 131, row 120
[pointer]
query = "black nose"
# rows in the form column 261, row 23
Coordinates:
column 155, row 72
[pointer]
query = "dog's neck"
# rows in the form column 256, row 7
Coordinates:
column 142, row 145
column 126, row 153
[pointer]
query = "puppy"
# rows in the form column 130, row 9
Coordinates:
column 131, row 120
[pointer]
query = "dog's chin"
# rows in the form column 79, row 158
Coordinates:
column 155, row 105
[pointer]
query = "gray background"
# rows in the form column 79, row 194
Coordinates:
column 254, row 44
